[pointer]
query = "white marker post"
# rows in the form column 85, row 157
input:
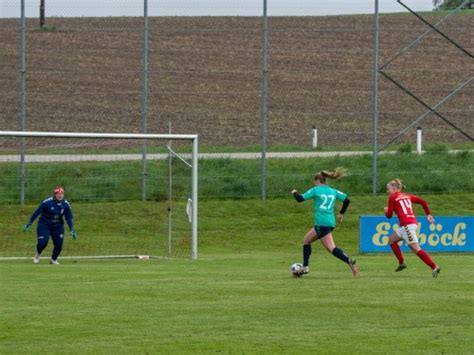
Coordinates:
column 418, row 140
column 315, row 137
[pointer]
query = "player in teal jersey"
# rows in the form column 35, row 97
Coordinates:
column 324, row 200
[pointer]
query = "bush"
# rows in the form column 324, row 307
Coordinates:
column 464, row 155
column 437, row 149
column 405, row 148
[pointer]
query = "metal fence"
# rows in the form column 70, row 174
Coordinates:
column 253, row 74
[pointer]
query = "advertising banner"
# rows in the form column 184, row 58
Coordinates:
column 447, row 234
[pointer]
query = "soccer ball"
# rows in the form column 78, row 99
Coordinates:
column 297, row 270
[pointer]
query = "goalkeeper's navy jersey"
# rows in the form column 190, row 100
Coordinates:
column 52, row 213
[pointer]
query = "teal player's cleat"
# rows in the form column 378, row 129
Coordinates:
column 354, row 267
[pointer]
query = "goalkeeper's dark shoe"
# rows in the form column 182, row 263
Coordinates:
column 354, row 268
column 436, row 272
column 401, row 267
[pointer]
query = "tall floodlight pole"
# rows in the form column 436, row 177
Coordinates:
column 375, row 96
column 264, row 89
column 145, row 97
column 22, row 101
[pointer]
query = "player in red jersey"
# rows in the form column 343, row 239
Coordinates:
column 402, row 204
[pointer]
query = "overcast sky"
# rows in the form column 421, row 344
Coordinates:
column 99, row 8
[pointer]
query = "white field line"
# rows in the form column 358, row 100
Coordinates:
column 131, row 157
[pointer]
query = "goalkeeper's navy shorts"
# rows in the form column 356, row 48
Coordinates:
column 45, row 231
column 322, row 231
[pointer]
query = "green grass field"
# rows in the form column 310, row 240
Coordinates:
column 239, row 298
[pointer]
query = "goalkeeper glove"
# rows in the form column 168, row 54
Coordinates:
column 27, row 227
column 73, row 234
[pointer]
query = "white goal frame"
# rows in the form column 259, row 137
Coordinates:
column 134, row 136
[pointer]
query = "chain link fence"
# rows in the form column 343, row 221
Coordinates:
column 84, row 71
column 87, row 69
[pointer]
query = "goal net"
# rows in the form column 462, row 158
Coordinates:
column 132, row 195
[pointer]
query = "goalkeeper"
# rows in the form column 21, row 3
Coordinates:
column 51, row 224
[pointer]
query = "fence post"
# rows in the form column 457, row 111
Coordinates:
column 22, row 101
column 264, row 113
column 170, row 194
column 375, row 96
column 42, row 14
column 145, row 97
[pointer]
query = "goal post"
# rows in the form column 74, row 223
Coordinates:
column 102, row 175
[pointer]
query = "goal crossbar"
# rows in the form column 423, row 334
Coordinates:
column 98, row 135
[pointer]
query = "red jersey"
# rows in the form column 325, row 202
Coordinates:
column 401, row 204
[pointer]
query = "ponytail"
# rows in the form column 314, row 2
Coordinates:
column 336, row 174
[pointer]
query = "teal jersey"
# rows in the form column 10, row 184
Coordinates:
column 324, row 201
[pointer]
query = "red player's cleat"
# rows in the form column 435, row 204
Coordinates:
column 401, row 267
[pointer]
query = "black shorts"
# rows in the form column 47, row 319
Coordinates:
column 322, row 231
